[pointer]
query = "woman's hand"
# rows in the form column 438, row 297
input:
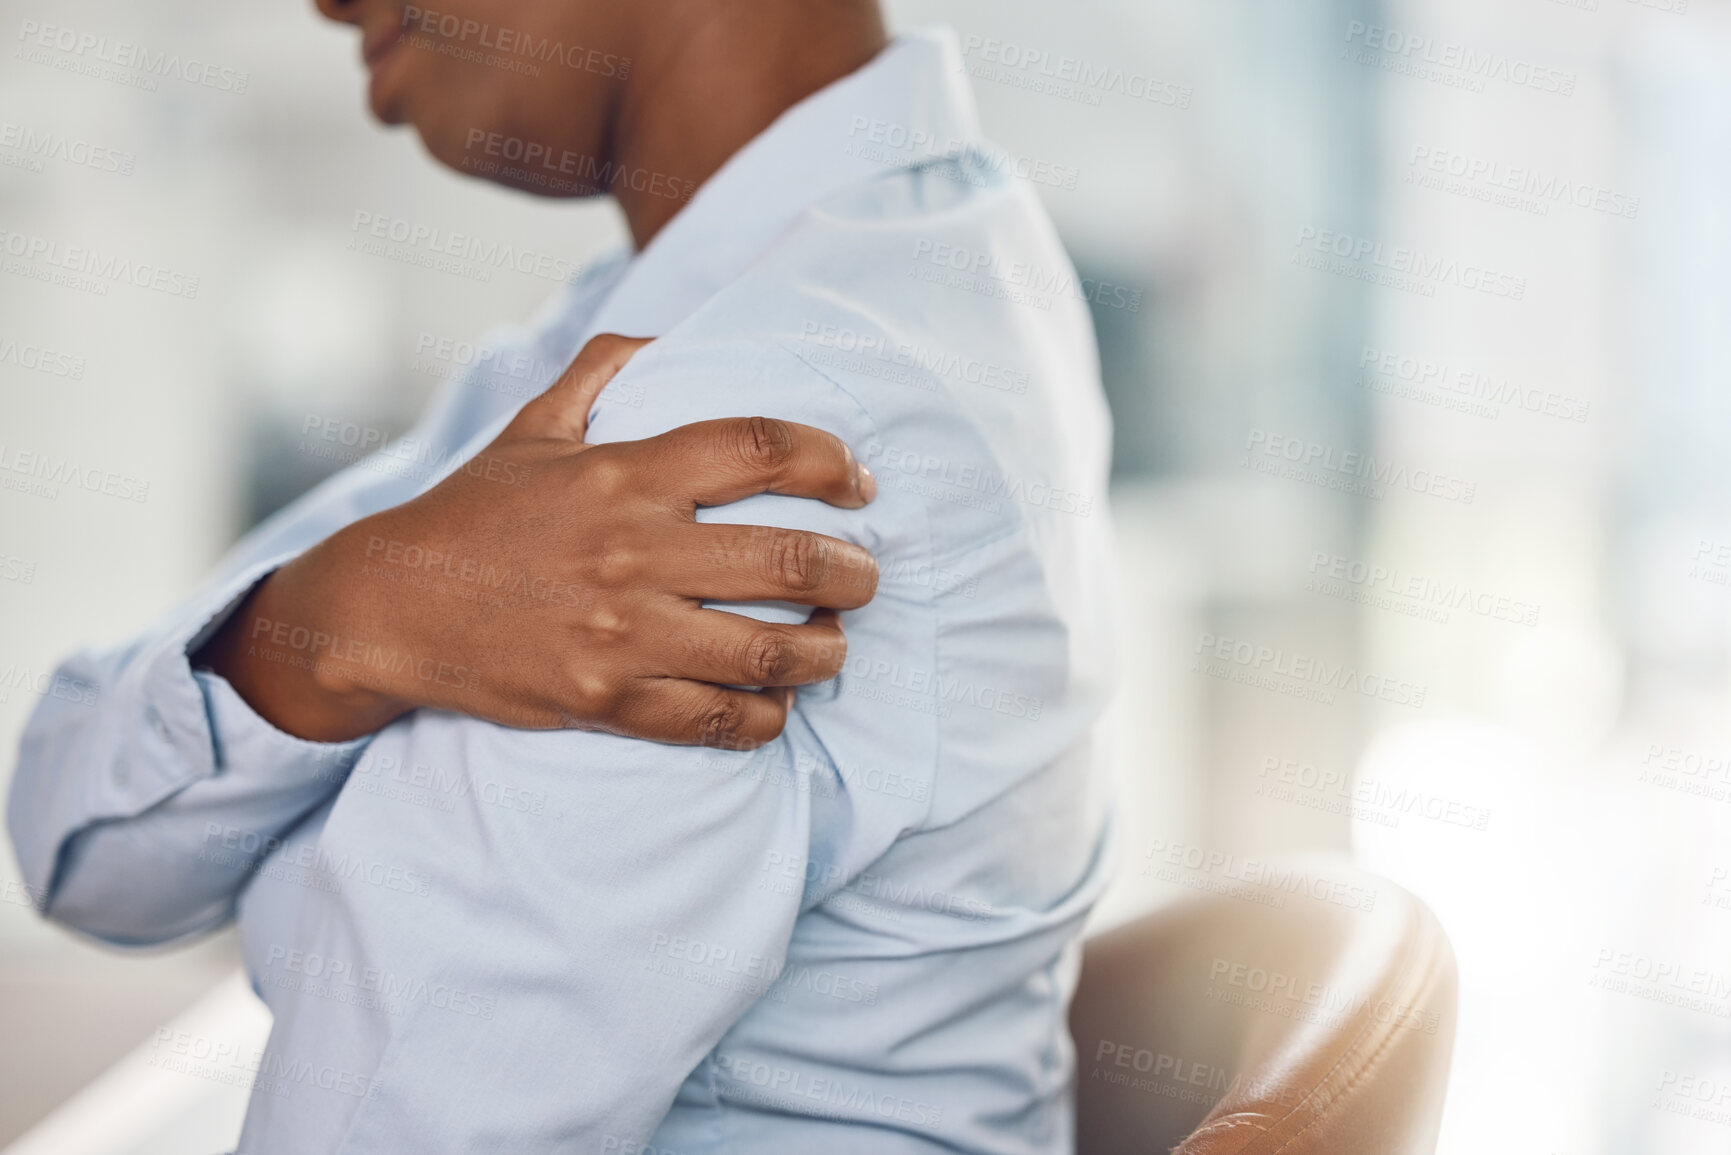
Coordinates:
column 550, row 583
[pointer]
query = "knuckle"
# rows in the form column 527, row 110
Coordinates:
column 541, row 417
column 800, row 562
column 608, row 474
column 765, row 443
column 616, row 564
column 593, row 696
column 605, row 348
column 528, row 421
column 604, row 630
column 769, row 657
column 721, row 723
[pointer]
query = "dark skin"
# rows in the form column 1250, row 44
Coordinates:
column 670, row 87
column 598, row 564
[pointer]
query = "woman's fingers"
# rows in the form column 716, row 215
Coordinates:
column 686, row 713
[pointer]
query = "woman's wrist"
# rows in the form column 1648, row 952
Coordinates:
column 289, row 657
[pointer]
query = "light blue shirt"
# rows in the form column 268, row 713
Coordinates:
column 861, row 938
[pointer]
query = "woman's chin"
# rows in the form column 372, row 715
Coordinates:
column 386, row 89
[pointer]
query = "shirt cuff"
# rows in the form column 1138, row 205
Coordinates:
column 178, row 726
column 200, row 713
column 245, row 744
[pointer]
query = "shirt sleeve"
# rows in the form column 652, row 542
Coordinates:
column 136, row 775
column 146, row 793
column 579, row 918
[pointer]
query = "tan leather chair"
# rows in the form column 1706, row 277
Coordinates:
column 1225, row 1025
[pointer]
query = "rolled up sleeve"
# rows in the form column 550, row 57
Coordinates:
column 146, row 792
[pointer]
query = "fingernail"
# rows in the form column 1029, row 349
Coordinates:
column 868, row 485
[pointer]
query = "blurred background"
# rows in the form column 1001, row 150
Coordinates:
column 1428, row 379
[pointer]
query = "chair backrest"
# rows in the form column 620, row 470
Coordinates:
column 1304, row 1007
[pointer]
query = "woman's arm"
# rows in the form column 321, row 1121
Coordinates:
column 146, row 794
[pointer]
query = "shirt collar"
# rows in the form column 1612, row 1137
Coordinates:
column 910, row 105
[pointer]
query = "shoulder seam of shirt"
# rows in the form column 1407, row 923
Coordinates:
column 933, row 554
